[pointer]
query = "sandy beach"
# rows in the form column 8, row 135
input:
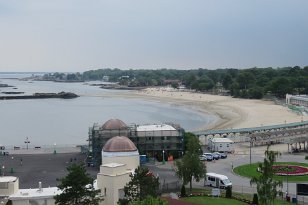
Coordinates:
column 231, row 112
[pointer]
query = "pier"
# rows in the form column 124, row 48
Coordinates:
column 294, row 134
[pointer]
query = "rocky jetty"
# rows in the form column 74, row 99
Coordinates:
column 13, row 93
column 5, row 85
column 63, row 95
column 120, row 87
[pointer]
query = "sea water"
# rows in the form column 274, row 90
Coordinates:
column 67, row 121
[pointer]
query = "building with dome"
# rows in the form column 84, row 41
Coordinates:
column 152, row 140
column 100, row 134
column 120, row 158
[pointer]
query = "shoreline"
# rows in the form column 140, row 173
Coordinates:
column 230, row 112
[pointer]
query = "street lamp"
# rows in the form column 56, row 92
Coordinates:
column 27, row 142
column 163, row 156
column 54, row 149
column 287, row 181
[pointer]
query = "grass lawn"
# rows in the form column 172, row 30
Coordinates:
column 250, row 170
column 222, row 201
column 213, row 201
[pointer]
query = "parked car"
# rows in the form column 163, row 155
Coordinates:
column 209, row 156
column 222, row 155
column 202, row 158
column 216, row 156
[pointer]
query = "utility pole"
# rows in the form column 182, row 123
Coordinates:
column 27, row 142
column 250, row 151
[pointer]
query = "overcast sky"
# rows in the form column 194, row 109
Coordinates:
column 74, row 35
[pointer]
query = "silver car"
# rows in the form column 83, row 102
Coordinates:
column 209, row 156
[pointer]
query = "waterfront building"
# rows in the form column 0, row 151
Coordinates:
column 298, row 100
column 100, row 134
column 218, row 144
column 154, row 140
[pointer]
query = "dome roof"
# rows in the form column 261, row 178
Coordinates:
column 114, row 124
column 119, row 144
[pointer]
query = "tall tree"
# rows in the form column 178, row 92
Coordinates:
column 143, row 183
column 190, row 166
column 266, row 185
column 77, row 188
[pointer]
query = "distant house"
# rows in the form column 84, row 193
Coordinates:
column 219, row 144
column 105, row 78
column 298, row 100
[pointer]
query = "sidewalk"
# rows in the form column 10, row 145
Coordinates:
column 44, row 150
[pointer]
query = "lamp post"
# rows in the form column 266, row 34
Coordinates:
column 54, row 148
column 27, row 142
column 287, row 181
column 250, row 144
column 163, row 156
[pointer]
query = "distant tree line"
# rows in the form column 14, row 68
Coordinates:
column 251, row 83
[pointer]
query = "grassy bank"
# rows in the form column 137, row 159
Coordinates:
column 250, row 170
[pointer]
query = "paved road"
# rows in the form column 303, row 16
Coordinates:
column 224, row 166
column 47, row 168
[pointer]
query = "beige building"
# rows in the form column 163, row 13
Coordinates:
column 8, row 185
column 219, row 144
column 120, row 158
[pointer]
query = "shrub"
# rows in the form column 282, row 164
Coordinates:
column 183, row 191
column 123, row 202
column 306, row 157
column 255, row 199
column 228, row 192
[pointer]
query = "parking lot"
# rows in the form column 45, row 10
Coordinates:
column 45, row 168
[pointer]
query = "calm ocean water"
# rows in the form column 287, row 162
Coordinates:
column 66, row 121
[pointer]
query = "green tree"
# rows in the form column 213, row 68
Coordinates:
column 190, row 166
column 77, row 188
column 150, row 201
column 142, row 184
column 266, row 185
column 280, row 86
column 227, row 81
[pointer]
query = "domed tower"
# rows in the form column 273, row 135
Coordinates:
column 120, row 149
column 100, row 134
column 120, row 158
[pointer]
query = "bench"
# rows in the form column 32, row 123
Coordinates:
column 16, row 148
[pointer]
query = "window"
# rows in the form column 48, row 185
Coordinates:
column 211, row 179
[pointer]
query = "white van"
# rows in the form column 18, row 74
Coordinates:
column 217, row 180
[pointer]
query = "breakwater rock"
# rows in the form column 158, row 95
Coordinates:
column 64, row 95
column 5, row 85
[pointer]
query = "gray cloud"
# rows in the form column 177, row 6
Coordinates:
column 75, row 35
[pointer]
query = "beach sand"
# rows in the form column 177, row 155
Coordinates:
column 231, row 112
